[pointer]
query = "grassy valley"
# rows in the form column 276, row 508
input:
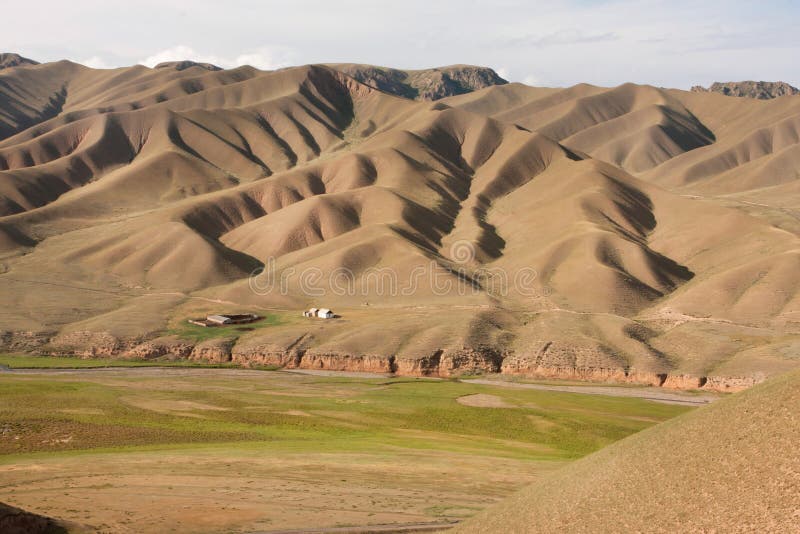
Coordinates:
column 112, row 448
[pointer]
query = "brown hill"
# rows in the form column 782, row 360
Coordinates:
column 582, row 232
column 425, row 84
column 728, row 467
column 634, row 127
column 750, row 89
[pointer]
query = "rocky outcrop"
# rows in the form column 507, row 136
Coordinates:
column 427, row 365
column 733, row 383
column 85, row 344
column 213, row 351
column 426, row 84
column 171, row 347
column 578, row 353
column 341, row 361
column 633, row 376
column 24, row 341
column 589, row 374
column 682, row 381
column 10, row 59
column 261, row 354
column 750, row 89
column 185, row 64
column 465, row 361
column 450, row 362
column 265, row 355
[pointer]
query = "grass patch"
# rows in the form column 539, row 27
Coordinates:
column 450, row 511
column 196, row 333
column 23, row 361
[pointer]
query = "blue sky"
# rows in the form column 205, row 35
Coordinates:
column 554, row 43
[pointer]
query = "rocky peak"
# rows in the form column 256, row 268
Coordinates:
column 425, row 84
column 185, row 64
column 750, row 89
column 10, row 59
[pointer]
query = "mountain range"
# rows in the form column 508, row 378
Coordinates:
column 632, row 233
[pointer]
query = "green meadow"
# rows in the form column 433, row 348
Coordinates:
column 189, row 331
column 286, row 410
column 21, row 361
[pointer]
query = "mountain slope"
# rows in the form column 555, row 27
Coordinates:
column 257, row 127
column 512, row 229
column 634, row 127
column 731, row 466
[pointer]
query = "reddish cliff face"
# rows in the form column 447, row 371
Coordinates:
column 337, row 361
column 213, row 351
column 557, row 362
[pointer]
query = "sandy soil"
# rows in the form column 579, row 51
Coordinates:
column 483, row 400
column 241, row 491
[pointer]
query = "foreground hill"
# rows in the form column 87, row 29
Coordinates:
column 728, row 467
column 544, row 232
column 16, row 521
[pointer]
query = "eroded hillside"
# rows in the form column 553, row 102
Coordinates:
column 631, row 233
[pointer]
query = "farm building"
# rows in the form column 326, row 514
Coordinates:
column 222, row 320
column 322, row 313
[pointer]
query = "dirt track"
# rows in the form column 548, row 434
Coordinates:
column 412, row 527
column 647, row 393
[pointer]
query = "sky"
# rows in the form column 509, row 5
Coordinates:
column 554, row 43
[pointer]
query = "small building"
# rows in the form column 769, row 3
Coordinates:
column 222, row 320
column 219, row 319
column 322, row 313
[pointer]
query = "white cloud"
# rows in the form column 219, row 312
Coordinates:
column 96, row 62
column 604, row 42
column 569, row 36
column 531, row 80
column 179, row 53
column 264, row 58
